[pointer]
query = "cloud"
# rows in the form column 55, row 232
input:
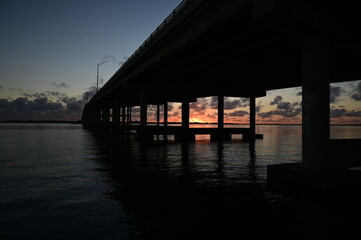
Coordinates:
column 60, row 85
column 283, row 109
column 238, row 113
column 337, row 112
column 357, row 95
column 1, row 87
column 229, row 103
column 276, row 100
column 199, row 107
column 49, row 105
column 335, row 93
column 342, row 112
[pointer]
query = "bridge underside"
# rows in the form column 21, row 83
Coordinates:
column 242, row 49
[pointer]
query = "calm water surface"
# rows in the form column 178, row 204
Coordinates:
column 60, row 181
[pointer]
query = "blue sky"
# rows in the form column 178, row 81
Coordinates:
column 50, row 49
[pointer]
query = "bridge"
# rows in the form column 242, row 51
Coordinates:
column 240, row 48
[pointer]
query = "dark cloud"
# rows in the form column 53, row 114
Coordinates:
column 259, row 107
column 32, row 109
column 337, row 112
column 170, row 106
column 60, row 85
column 213, row 102
column 357, row 95
column 284, row 109
column 50, row 105
column 342, row 112
column 238, row 113
column 286, row 113
column 229, row 104
column 1, row 87
column 354, row 113
column 199, row 107
column 276, row 100
column 233, row 104
column 284, row 105
column 265, row 114
column 335, row 93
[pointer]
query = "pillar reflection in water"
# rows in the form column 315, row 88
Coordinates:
column 252, row 161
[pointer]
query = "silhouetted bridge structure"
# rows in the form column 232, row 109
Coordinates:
column 241, row 48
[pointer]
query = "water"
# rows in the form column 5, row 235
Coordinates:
column 60, row 181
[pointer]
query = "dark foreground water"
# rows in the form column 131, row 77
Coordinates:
column 60, row 181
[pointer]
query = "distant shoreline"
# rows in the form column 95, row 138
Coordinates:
column 136, row 122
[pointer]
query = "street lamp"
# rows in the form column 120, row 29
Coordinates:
column 98, row 72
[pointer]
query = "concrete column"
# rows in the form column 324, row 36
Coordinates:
column 185, row 114
column 252, row 117
column 220, row 111
column 158, row 115
column 166, row 114
column 315, row 102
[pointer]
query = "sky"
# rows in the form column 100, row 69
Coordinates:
column 50, row 50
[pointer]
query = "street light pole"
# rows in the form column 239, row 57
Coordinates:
column 98, row 72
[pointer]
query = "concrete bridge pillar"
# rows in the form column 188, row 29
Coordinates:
column 315, row 102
